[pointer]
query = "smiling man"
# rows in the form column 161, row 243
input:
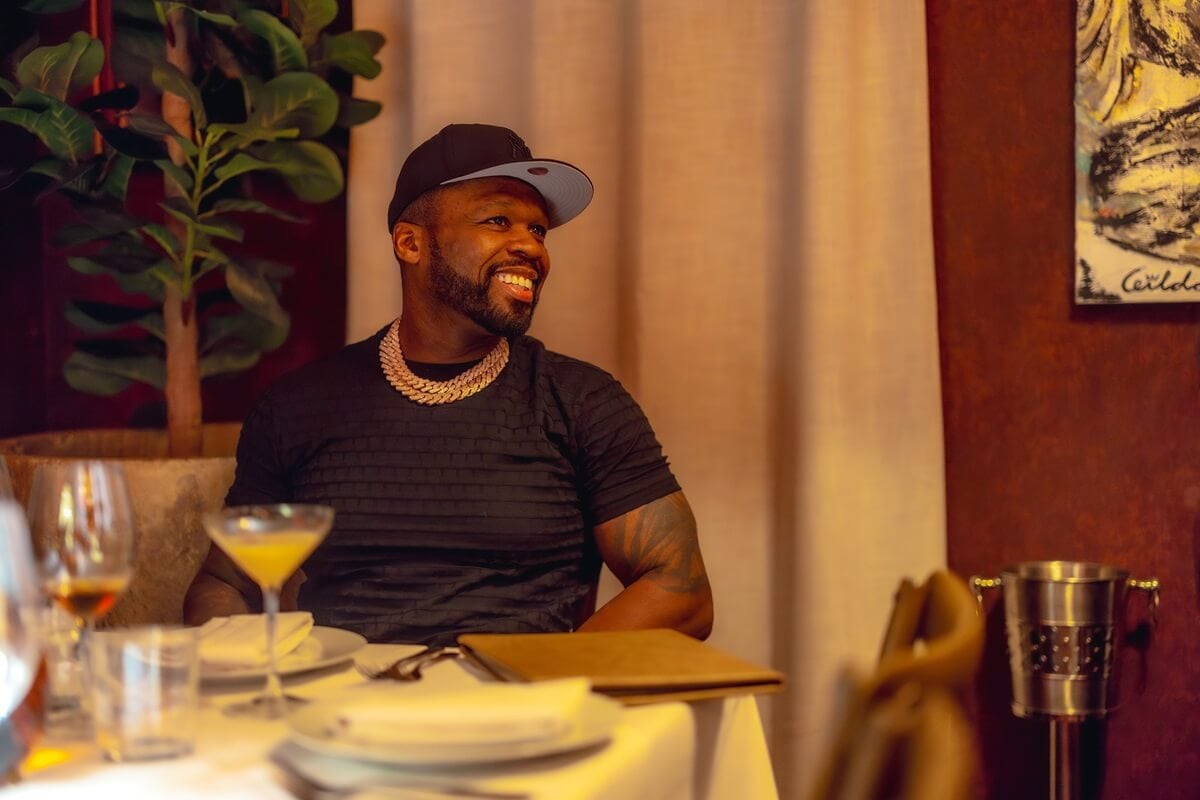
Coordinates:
column 479, row 479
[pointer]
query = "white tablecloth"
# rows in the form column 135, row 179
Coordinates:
column 708, row 750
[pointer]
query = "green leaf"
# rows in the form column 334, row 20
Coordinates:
column 310, row 169
column 62, row 68
column 297, row 100
column 248, row 132
column 116, row 180
column 135, row 49
column 144, row 282
column 254, row 293
column 33, row 100
column 73, row 179
column 65, row 132
column 107, row 376
column 50, row 167
column 176, row 174
column 178, row 208
column 352, row 111
column 93, row 317
column 287, row 54
column 8, row 87
column 310, row 17
column 212, row 226
column 215, row 18
column 235, row 358
column 99, row 221
column 353, row 51
column 245, row 327
column 163, row 237
column 169, row 78
column 236, row 204
column 239, row 164
column 150, row 125
column 221, row 228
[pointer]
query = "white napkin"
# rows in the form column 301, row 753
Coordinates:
column 486, row 714
column 241, row 640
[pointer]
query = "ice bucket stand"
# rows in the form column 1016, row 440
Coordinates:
column 1063, row 625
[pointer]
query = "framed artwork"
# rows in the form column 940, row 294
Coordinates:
column 1137, row 151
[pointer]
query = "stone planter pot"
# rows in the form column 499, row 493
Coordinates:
column 168, row 496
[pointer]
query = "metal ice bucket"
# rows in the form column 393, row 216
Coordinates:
column 1063, row 623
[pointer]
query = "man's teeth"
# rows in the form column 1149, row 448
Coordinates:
column 515, row 280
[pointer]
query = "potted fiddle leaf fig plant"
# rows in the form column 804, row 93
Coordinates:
column 212, row 99
column 246, row 88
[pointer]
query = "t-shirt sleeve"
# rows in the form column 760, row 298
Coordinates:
column 621, row 462
column 260, row 476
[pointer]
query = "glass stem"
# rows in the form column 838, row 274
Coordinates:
column 83, row 652
column 274, row 687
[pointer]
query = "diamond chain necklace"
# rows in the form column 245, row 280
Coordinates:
column 436, row 393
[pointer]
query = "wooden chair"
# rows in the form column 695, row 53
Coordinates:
column 900, row 732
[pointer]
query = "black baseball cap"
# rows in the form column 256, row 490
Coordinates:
column 466, row 151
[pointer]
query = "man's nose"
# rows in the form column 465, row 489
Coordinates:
column 527, row 245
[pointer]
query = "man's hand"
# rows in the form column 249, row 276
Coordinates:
column 655, row 553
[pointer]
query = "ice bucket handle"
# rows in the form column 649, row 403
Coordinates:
column 1150, row 587
column 980, row 583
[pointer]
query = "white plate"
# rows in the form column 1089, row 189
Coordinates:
column 316, row 727
column 323, row 647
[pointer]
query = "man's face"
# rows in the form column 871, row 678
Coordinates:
column 487, row 257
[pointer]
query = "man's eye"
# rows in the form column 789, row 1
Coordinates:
column 499, row 221
column 538, row 231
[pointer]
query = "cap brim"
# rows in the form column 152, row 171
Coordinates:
column 566, row 190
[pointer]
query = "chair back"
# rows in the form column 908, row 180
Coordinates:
column 901, row 732
column 934, row 636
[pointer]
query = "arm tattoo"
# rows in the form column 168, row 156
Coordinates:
column 658, row 540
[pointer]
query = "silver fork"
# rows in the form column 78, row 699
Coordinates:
column 409, row 668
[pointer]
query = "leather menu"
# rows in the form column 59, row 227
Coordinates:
column 634, row 667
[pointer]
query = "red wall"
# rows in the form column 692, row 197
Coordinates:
column 1071, row 432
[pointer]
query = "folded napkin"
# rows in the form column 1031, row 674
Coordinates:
column 487, row 714
column 241, row 640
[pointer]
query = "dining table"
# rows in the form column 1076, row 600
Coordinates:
column 712, row 749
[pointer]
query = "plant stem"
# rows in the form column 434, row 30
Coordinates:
column 184, row 409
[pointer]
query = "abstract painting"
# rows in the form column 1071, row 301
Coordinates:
column 1137, row 151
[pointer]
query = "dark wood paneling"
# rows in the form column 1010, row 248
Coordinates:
column 1071, row 432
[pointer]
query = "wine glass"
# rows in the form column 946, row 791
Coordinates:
column 6, row 488
column 269, row 543
column 20, row 606
column 83, row 538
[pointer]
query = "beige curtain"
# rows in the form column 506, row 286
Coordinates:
column 756, row 268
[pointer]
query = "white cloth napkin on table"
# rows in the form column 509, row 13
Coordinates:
column 487, row 714
column 241, row 640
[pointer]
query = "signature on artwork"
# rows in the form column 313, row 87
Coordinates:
column 1141, row 280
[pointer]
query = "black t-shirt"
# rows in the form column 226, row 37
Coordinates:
column 470, row 516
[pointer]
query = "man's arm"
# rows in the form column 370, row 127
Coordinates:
column 654, row 552
column 221, row 589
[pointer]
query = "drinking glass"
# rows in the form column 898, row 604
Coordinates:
column 83, row 537
column 20, row 606
column 269, row 543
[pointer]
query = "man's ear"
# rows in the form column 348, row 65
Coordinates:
column 408, row 242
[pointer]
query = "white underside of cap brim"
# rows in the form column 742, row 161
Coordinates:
column 566, row 190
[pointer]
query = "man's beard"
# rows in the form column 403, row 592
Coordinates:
column 473, row 300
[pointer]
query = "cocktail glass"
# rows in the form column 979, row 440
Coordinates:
column 269, row 543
